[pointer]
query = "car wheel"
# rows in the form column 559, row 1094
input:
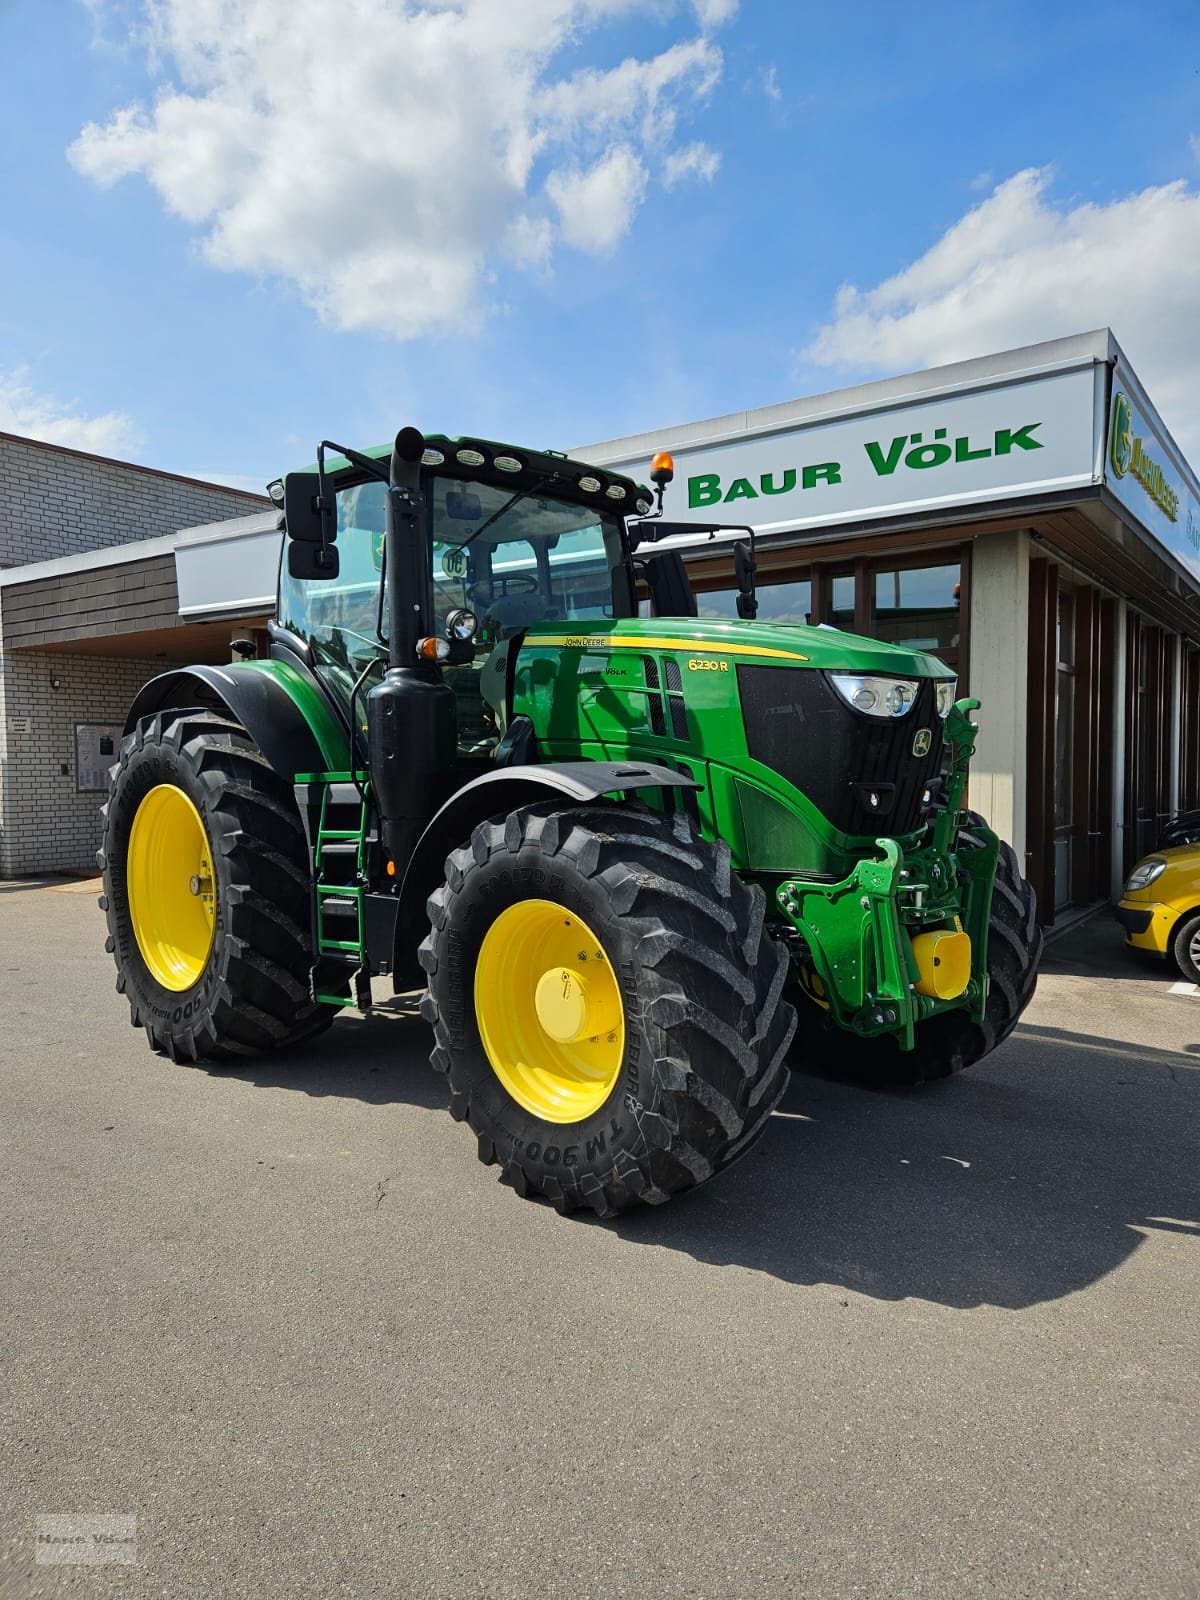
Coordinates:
column 1185, row 947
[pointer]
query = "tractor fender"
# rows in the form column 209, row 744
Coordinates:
column 496, row 793
column 279, row 707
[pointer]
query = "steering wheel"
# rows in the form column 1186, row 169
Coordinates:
column 517, row 583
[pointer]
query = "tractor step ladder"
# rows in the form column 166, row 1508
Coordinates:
column 339, row 843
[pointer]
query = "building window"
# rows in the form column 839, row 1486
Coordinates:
column 919, row 607
column 841, row 600
column 777, row 602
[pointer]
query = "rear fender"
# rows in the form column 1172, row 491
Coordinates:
column 278, row 704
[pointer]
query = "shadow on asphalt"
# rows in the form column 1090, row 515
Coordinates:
column 1025, row 1180
column 1030, row 1178
column 381, row 1058
column 1096, row 948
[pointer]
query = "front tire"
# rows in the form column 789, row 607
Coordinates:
column 206, row 892
column 607, row 1004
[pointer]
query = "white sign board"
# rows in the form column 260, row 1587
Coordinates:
column 97, row 745
column 1140, row 469
column 229, row 574
column 1035, row 436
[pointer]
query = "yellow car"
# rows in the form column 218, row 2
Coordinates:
column 1159, row 907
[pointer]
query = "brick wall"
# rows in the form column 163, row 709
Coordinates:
column 60, row 502
column 130, row 598
column 57, row 502
column 45, row 824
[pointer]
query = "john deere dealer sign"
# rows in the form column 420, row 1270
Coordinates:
column 1035, row 436
column 1142, row 471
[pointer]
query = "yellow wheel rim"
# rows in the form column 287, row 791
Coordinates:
column 549, row 1011
column 171, row 887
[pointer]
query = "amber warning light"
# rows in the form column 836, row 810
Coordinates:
column 662, row 469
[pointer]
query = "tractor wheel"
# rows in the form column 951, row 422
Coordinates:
column 607, row 1004
column 947, row 1043
column 206, row 891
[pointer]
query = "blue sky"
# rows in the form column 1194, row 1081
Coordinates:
column 559, row 220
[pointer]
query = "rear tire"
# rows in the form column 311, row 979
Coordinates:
column 700, row 983
column 950, row 1042
column 249, row 992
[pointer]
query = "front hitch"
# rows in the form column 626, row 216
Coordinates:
column 859, row 931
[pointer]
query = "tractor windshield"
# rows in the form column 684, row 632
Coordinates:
column 518, row 559
column 512, row 560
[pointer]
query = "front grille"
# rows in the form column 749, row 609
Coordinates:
column 798, row 724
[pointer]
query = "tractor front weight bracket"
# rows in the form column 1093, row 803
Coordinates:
column 858, row 946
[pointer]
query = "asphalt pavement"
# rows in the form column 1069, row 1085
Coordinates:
column 922, row 1344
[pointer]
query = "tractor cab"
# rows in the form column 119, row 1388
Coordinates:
column 512, row 542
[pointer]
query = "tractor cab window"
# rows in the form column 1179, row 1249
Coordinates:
column 340, row 617
column 513, row 562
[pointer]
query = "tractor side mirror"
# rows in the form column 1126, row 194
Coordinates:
column 671, row 592
column 307, row 561
column 743, row 568
column 305, row 514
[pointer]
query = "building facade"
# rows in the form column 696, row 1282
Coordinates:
column 96, row 538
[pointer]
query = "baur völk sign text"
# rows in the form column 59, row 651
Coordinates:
column 908, row 452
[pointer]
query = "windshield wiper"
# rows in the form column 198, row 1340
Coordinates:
column 521, row 494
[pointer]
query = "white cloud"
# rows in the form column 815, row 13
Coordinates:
column 384, row 164
column 713, row 13
column 769, row 78
column 596, row 207
column 695, row 161
column 1019, row 268
column 41, row 416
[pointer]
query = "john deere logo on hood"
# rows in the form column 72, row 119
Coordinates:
column 922, row 742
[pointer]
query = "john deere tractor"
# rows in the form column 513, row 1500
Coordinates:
column 495, row 753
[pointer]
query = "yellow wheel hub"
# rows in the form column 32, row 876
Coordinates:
column 171, row 887
column 549, row 1011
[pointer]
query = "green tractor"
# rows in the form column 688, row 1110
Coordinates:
column 494, row 752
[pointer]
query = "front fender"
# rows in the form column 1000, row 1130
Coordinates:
column 496, row 793
column 281, row 709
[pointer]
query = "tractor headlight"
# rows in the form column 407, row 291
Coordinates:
column 876, row 697
column 1145, row 873
column 946, row 690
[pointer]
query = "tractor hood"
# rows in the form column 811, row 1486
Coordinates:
column 780, row 643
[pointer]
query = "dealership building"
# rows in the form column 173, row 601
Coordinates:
column 1026, row 517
